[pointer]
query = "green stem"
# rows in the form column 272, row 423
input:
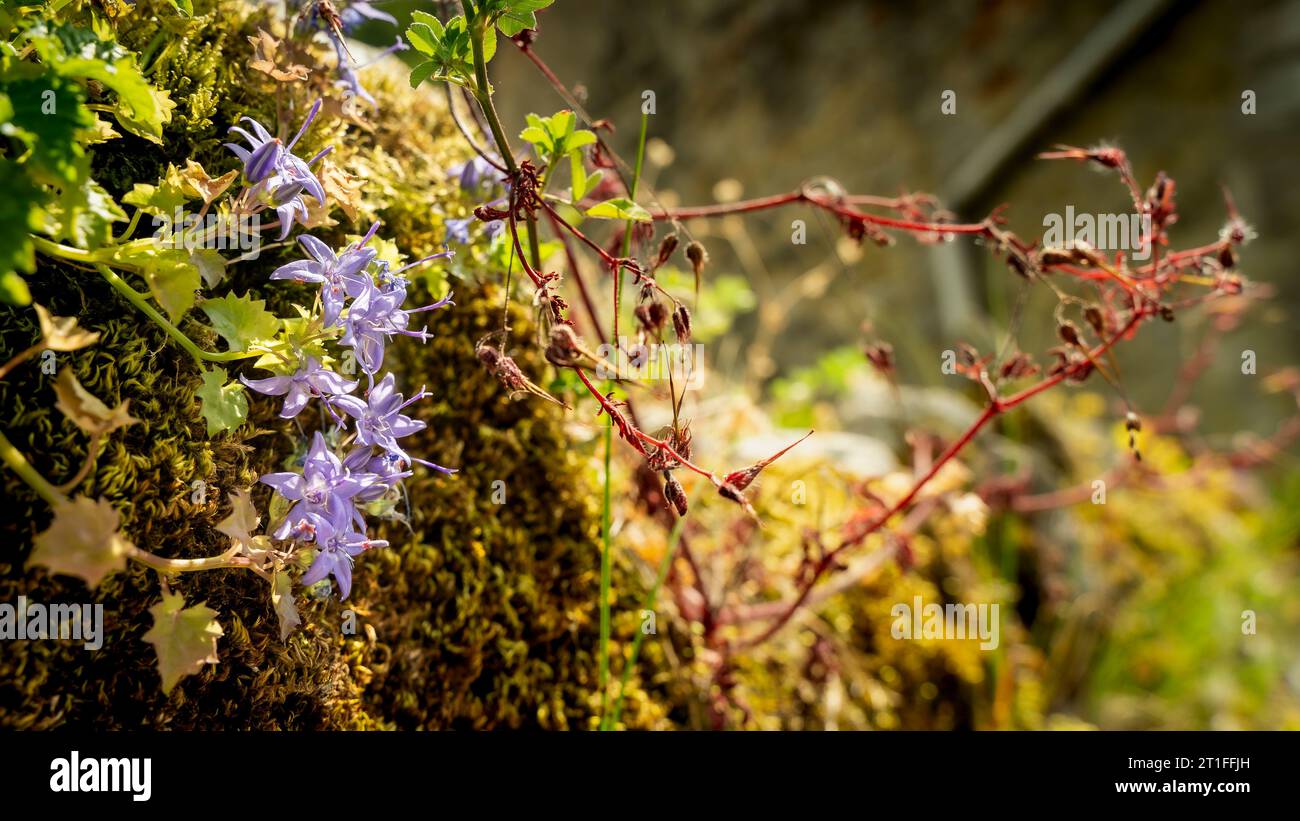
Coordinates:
column 605, row 577
column 483, row 94
column 139, row 301
column 130, row 226
column 227, row 559
column 649, row 604
column 14, row 458
column 54, row 249
column 631, row 224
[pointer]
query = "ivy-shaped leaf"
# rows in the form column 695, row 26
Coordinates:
column 82, row 541
column 83, row 54
column 185, row 638
column 619, row 208
column 241, row 321
column 48, row 114
column 211, row 265
column 172, row 277
column 62, row 333
column 243, row 518
column 197, row 182
column 282, row 600
column 84, row 215
column 163, row 199
column 299, row 337
column 224, row 404
column 85, row 409
column 19, row 214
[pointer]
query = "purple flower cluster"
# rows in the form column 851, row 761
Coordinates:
column 361, row 303
column 277, row 177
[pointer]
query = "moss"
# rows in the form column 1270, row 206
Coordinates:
column 480, row 615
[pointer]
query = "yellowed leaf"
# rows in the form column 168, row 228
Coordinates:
column 62, row 333
column 83, row 541
column 86, row 410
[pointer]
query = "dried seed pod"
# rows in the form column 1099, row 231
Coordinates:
column 696, row 253
column 1166, row 313
column 666, row 249
column 1227, row 258
column 563, row 350
column 682, row 324
column 1017, row 366
column 729, row 491
column 652, row 316
column 1132, row 422
column 1055, row 256
column 1069, row 332
column 741, row 479
column 1096, row 319
column 881, row 355
column 966, row 354
column 643, row 232
column 675, row 493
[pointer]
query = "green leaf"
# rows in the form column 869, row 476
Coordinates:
column 185, row 638
column 243, row 518
column 172, row 277
column 77, row 53
column 13, row 289
column 535, row 135
column 520, row 15
column 82, row 541
column 48, row 114
column 578, row 139
column 225, row 406
column 84, row 215
column 163, row 199
column 422, row 38
column 429, row 20
column 579, row 175
column 619, row 208
column 19, row 214
column 241, row 321
column 211, row 265
column 423, row 72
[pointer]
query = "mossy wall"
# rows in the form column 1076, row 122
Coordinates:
column 480, row 614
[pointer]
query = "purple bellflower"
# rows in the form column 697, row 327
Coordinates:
column 376, row 315
column 274, row 170
column 380, row 421
column 312, row 379
column 387, row 469
column 341, row 276
column 323, row 492
column 335, row 550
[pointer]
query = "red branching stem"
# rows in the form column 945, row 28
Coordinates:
column 996, row 407
column 638, row 436
column 838, row 208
